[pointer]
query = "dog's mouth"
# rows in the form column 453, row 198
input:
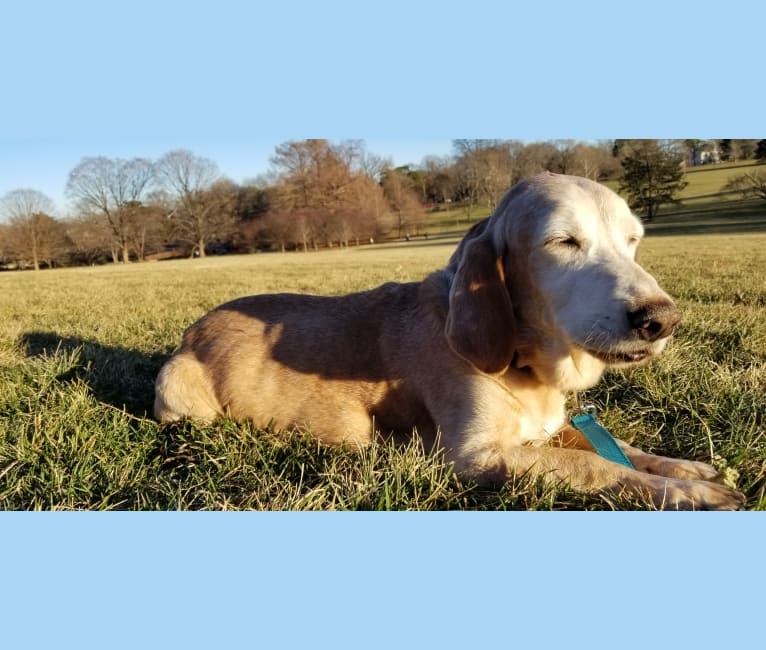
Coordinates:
column 620, row 358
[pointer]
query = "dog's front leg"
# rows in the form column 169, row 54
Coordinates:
column 588, row 472
column 571, row 438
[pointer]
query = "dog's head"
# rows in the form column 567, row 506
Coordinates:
column 550, row 281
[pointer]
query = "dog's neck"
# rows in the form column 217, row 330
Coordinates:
column 567, row 370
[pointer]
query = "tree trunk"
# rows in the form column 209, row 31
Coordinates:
column 201, row 247
column 35, row 261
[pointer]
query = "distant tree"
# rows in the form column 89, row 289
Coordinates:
column 728, row 152
column 653, row 175
column 534, row 158
column 760, row 150
column 372, row 165
column 746, row 148
column 312, row 174
column 467, row 183
column 204, row 201
column 565, row 160
column 688, row 148
column 274, row 229
column 251, row 202
column 496, row 170
column 325, row 193
column 33, row 234
column 733, row 150
column 416, row 177
column 439, row 177
column 4, row 252
column 591, row 161
column 91, row 239
column 464, row 147
column 484, row 170
column 360, row 217
column 145, row 226
column 403, row 202
column 752, row 184
column 105, row 186
column 619, row 148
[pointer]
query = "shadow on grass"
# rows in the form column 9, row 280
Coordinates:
column 118, row 376
column 731, row 217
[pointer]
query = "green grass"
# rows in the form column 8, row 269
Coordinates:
column 79, row 350
column 704, row 206
column 453, row 219
column 705, row 183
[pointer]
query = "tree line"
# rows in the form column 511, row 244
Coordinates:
column 316, row 194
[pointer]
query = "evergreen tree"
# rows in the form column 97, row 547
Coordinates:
column 653, row 175
column 726, row 149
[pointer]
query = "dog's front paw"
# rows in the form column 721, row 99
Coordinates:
column 688, row 470
column 678, row 494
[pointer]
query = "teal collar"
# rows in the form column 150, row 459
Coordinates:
column 603, row 441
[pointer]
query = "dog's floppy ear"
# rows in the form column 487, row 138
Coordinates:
column 480, row 324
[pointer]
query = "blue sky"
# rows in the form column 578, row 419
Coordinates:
column 229, row 80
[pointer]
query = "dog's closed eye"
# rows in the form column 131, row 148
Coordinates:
column 569, row 242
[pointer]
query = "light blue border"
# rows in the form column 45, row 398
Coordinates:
column 399, row 70
column 351, row 580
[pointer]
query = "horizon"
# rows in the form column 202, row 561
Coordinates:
column 45, row 165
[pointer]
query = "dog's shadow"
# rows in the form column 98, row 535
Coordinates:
column 118, row 376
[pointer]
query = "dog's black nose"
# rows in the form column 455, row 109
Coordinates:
column 655, row 320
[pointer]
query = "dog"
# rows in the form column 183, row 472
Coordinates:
column 536, row 302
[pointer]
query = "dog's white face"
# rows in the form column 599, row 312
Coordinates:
column 550, row 282
column 590, row 291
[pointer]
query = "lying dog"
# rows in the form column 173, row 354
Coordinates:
column 535, row 303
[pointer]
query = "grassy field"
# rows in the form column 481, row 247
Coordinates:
column 703, row 202
column 79, row 350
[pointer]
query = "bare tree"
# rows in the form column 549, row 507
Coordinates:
column 594, row 162
column 91, row 239
column 484, row 171
column 34, row 235
column 496, row 167
column 372, row 165
column 403, row 201
column 565, row 160
column 107, row 186
column 325, row 193
column 145, row 229
column 752, row 184
column 313, row 174
column 534, row 158
column 275, row 228
column 204, row 203
column 439, row 175
column 4, row 249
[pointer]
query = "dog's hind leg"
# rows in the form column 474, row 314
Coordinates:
column 183, row 390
